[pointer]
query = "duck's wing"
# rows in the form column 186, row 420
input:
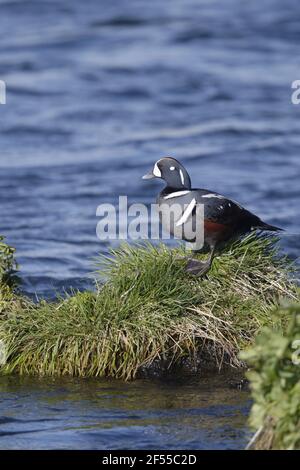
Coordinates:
column 225, row 211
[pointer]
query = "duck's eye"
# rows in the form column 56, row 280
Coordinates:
column 172, row 168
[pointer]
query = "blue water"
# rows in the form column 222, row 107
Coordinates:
column 97, row 91
column 91, row 414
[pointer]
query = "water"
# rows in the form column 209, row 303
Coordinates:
column 96, row 94
column 93, row 414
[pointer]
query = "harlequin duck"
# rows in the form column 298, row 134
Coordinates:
column 224, row 219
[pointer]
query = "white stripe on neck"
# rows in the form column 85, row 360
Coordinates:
column 181, row 176
column 176, row 194
column 186, row 213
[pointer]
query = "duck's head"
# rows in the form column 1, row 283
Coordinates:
column 172, row 172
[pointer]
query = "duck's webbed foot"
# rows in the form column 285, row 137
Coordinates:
column 198, row 268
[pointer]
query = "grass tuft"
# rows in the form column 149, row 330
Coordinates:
column 150, row 311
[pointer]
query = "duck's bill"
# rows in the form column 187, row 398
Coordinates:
column 148, row 176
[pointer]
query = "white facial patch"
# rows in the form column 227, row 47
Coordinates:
column 176, row 194
column 181, row 176
column 186, row 213
column 172, row 168
column 156, row 171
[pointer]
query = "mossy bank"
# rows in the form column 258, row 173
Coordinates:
column 150, row 316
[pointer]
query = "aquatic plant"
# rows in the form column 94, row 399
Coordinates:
column 7, row 267
column 275, row 384
column 7, row 260
column 150, row 313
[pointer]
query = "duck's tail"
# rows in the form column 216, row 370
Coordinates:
column 268, row 227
